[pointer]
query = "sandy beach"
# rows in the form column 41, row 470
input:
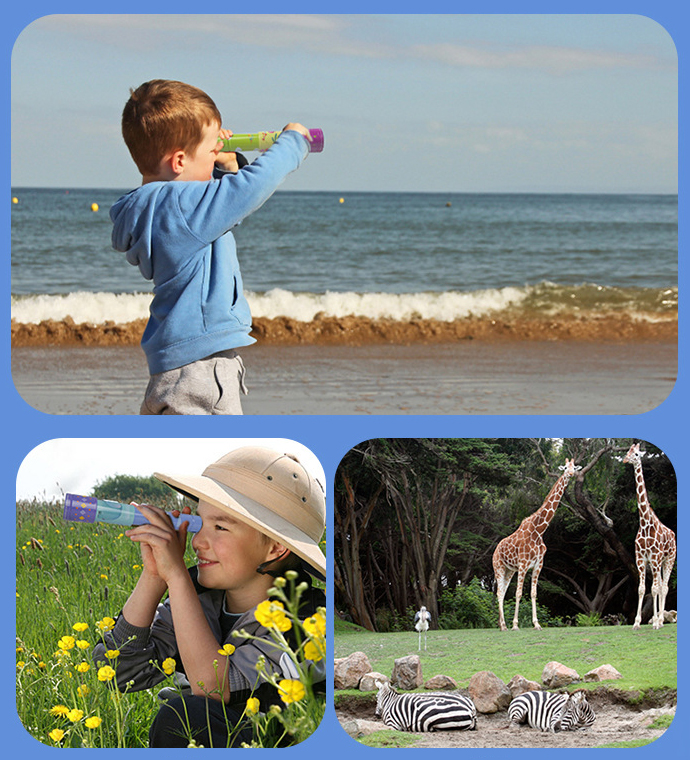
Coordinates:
column 465, row 377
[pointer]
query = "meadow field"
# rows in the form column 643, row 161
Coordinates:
column 71, row 582
column 646, row 660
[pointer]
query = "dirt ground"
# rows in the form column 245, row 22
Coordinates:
column 615, row 722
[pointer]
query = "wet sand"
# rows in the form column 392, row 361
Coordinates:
column 464, row 377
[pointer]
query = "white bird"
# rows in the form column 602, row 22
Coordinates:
column 421, row 624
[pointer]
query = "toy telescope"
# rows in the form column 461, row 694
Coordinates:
column 89, row 509
column 264, row 140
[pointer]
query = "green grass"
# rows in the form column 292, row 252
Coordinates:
column 395, row 739
column 646, row 658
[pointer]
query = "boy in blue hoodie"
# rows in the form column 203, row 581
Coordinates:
column 176, row 228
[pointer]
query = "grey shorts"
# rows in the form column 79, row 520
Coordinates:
column 209, row 386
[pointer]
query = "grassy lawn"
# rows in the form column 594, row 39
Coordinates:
column 646, row 658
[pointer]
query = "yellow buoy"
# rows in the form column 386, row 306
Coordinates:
column 15, row 200
column 94, row 207
column 342, row 200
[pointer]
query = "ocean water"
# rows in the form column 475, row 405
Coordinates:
column 394, row 255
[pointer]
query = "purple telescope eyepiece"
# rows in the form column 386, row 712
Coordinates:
column 316, row 144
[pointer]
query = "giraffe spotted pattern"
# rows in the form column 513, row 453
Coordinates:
column 524, row 550
column 655, row 546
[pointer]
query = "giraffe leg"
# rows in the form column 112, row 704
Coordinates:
column 535, row 579
column 503, row 578
column 640, row 595
column 666, row 574
column 518, row 596
column 657, row 621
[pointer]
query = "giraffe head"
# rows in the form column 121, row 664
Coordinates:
column 569, row 468
column 634, row 456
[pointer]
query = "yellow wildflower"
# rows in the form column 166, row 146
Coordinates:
column 313, row 652
column 272, row 615
column 57, row 734
column 66, row 642
column 106, row 673
column 84, row 666
column 315, row 626
column 83, row 690
column 81, row 644
column 103, row 577
column 253, row 706
column 107, row 624
column 112, row 654
column 290, row 690
column 59, row 710
column 75, row 715
column 93, row 722
column 169, row 665
column 20, row 664
column 80, row 627
column 227, row 649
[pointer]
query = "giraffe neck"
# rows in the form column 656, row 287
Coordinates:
column 543, row 516
column 643, row 506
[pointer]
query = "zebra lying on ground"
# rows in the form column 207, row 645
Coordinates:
column 435, row 711
column 552, row 712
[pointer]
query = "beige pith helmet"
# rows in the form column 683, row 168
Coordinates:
column 269, row 491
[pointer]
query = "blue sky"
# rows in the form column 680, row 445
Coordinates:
column 75, row 465
column 447, row 103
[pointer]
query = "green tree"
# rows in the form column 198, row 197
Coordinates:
column 143, row 490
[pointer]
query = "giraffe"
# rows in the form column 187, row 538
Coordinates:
column 524, row 550
column 655, row 545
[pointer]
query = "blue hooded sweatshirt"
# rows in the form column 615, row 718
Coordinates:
column 178, row 234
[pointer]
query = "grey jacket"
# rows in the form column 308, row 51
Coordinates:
column 142, row 650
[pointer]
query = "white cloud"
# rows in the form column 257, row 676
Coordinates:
column 555, row 60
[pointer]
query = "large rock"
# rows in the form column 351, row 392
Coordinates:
column 368, row 682
column 440, row 683
column 357, row 727
column 519, row 685
column 603, row 673
column 407, row 673
column 348, row 671
column 488, row 692
column 556, row 675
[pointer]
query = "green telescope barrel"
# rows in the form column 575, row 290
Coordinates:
column 264, row 140
column 89, row 509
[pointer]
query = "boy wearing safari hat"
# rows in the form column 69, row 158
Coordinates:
column 262, row 514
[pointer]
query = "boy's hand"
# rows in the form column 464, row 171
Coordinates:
column 162, row 547
column 226, row 161
column 295, row 127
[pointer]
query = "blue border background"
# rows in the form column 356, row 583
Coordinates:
column 331, row 438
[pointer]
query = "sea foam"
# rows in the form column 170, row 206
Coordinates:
column 127, row 307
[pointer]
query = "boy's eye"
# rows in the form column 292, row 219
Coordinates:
column 221, row 527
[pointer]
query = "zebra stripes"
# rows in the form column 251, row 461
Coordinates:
column 552, row 712
column 435, row 711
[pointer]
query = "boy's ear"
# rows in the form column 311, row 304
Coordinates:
column 278, row 551
column 177, row 161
